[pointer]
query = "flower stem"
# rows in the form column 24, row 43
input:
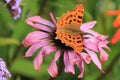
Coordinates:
column 51, row 78
column 42, row 7
column 61, row 65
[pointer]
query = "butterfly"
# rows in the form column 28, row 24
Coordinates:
column 68, row 28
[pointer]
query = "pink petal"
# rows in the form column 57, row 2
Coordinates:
column 39, row 26
column 38, row 61
column 48, row 49
column 104, row 44
column 69, row 68
column 29, row 42
column 72, row 57
column 86, row 26
column 103, row 54
column 53, row 19
column 34, row 37
column 94, row 58
column 85, row 57
column 97, row 36
column 42, row 27
column 34, row 47
column 88, row 43
column 80, row 65
column 102, row 37
column 93, row 41
column 52, row 69
column 39, row 58
column 38, row 19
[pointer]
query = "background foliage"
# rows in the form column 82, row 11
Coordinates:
column 12, row 32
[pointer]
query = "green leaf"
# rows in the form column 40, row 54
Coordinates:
column 25, row 67
column 21, row 29
column 87, row 16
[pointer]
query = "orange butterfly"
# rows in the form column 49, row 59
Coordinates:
column 68, row 28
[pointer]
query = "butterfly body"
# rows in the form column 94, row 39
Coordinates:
column 68, row 28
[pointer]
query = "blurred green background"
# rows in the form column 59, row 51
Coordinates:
column 12, row 32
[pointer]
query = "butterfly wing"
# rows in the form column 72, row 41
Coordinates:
column 68, row 28
column 72, row 17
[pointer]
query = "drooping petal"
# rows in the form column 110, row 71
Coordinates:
column 116, row 37
column 103, row 55
column 94, row 58
column 116, row 22
column 37, row 19
column 69, row 68
column 39, row 58
column 80, row 65
column 38, row 61
column 34, row 37
column 34, row 47
column 52, row 69
column 72, row 57
column 85, row 57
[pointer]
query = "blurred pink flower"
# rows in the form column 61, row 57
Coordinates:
column 45, row 39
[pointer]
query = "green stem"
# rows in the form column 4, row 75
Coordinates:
column 42, row 7
column 51, row 78
column 61, row 64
